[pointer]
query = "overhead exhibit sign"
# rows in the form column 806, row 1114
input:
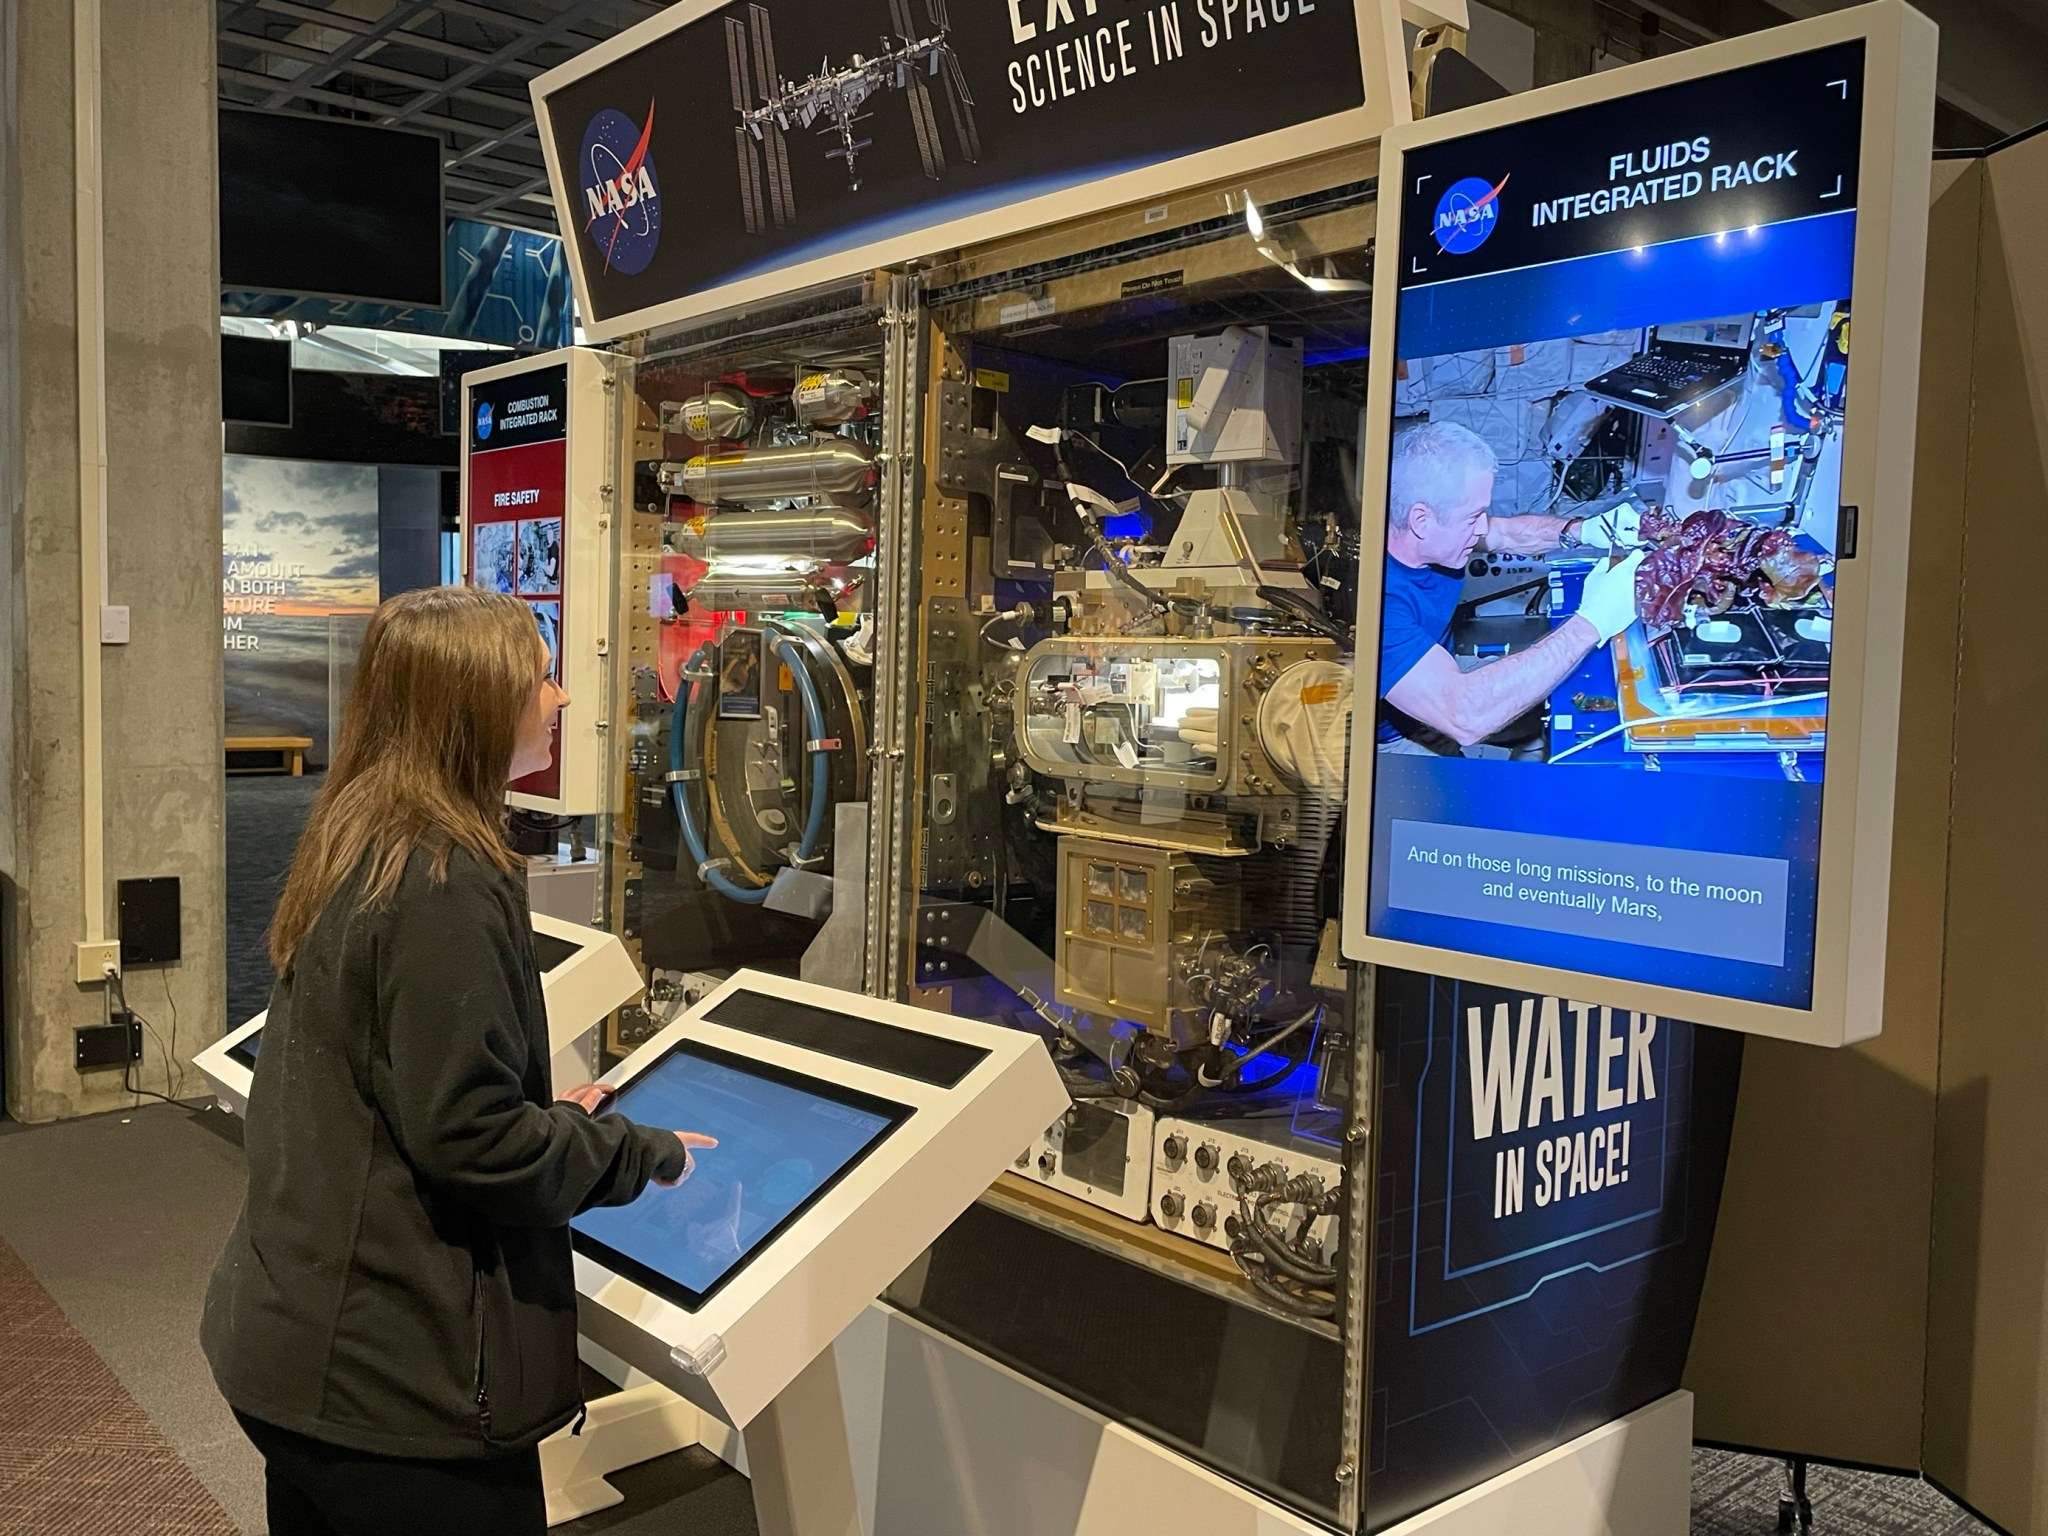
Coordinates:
column 1628, row 805
column 805, row 140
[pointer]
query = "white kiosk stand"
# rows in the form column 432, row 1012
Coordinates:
column 585, row 974
column 852, row 1133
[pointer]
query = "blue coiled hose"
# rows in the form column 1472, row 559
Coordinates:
column 821, row 769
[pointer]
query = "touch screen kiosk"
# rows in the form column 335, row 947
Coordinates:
column 229, row 1064
column 584, row 975
column 851, row 1133
column 1613, row 366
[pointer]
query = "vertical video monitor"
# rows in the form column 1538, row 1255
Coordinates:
column 517, row 441
column 1604, row 637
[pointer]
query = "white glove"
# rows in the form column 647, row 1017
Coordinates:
column 1198, row 728
column 1619, row 527
column 1609, row 600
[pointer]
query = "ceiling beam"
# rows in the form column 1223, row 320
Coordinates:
column 516, row 218
column 511, row 135
column 401, row 12
column 553, row 28
column 364, row 105
column 298, row 85
column 519, row 180
column 513, row 21
column 407, row 37
column 515, row 194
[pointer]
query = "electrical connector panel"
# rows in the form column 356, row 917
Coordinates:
column 1205, row 1172
column 1100, row 1151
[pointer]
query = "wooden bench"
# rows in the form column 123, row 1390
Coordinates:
column 291, row 753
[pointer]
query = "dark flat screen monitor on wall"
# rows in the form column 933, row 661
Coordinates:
column 256, row 380
column 329, row 208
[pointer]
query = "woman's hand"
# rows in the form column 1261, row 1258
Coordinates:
column 689, row 1139
column 586, row 1096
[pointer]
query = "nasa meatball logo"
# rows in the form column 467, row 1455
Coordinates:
column 621, row 197
column 483, row 419
column 1466, row 215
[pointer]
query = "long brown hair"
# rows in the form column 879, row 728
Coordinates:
column 443, row 680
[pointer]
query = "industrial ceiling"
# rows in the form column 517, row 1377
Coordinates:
column 457, row 67
column 461, row 67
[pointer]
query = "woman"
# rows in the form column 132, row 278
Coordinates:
column 394, row 1317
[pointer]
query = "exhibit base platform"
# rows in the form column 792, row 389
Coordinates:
column 639, row 1422
column 1629, row 1478
column 942, row 1438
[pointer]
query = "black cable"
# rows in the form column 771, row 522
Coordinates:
column 1253, row 1220
column 1116, row 569
column 1259, row 1188
column 1097, row 540
column 169, row 1096
column 127, row 1059
column 1232, row 1079
column 126, row 1068
column 1299, row 609
column 165, row 978
column 1122, row 468
column 139, row 1092
column 1249, row 1263
column 1169, row 1104
column 1232, row 1084
column 115, row 989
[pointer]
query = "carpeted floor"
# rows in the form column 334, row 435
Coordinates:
column 1737, row 1495
column 77, row 1454
column 119, row 1218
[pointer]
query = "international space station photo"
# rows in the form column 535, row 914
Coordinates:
column 838, row 95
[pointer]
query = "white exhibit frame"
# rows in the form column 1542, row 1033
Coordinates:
column 1383, row 65
column 230, row 1079
column 1870, row 589
column 780, row 1312
column 584, row 988
column 586, row 575
column 921, row 1465
column 579, row 994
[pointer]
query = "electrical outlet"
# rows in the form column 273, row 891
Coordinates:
column 96, row 958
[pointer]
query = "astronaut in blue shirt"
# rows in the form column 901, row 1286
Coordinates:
column 1439, row 492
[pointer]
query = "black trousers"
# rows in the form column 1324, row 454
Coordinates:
column 316, row 1489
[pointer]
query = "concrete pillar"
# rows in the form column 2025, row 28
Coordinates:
column 162, row 761
column 1560, row 57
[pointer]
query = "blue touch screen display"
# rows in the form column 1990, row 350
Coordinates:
column 783, row 1140
column 1613, row 516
